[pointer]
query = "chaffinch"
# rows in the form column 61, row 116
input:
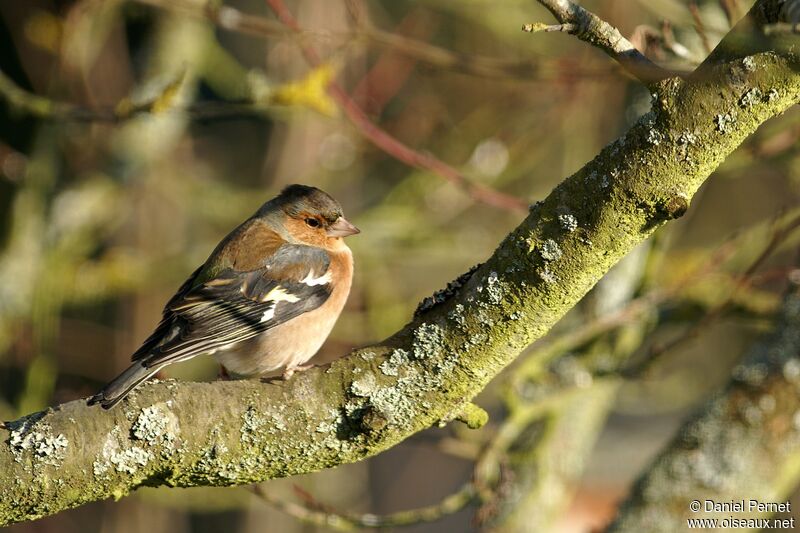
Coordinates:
column 265, row 299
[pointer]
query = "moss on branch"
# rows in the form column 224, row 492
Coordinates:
column 230, row 433
column 743, row 445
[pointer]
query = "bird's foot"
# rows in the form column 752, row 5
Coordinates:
column 289, row 372
column 223, row 374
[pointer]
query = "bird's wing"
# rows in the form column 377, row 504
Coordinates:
column 168, row 319
column 235, row 306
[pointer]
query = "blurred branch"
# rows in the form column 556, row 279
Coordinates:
column 781, row 232
column 743, row 445
column 46, row 108
column 731, row 10
column 781, row 27
column 592, row 29
column 679, row 50
column 312, row 513
column 232, row 19
column 524, row 382
column 541, row 483
column 547, row 458
column 486, row 484
column 699, row 26
column 475, row 65
column 391, row 145
column 307, row 92
column 225, row 17
column 661, row 41
column 43, row 107
column 390, row 71
column 242, row 432
column 534, row 363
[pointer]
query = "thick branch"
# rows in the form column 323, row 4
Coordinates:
column 542, row 483
column 742, row 446
column 228, row 433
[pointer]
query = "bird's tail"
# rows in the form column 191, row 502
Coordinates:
column 120, row 386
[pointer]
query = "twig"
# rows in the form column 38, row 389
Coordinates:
column 485, row 481
column 225, row 17
column 592, row 29
column 390, row 144
column 49, row 109
column 699, row 27
column 670, row 43
column 731, row 9
column 391, row 70
column 46, row 108
column 742, row 281
column 781, row 28
column 574, row 338
column 480, row 487
column 312, row 512
column 43, row 107
column 741, row 444
column 476, row 65
column 232, row 19
column 536, row 27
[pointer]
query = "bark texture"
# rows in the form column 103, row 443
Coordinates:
column 743, row 445
column 229, row 433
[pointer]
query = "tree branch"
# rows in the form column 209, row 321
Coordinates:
column 45, row 108
column 240, row 432
column 592, row 29
column 232, row 19
column 452, row 503
column 390, row 144
column 743, row 445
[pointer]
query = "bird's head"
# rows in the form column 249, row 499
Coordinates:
column 313, row 217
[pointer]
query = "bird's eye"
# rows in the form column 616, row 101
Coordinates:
column 312, row 222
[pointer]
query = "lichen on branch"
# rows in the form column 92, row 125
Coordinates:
column 232, row 433
column 742, row 445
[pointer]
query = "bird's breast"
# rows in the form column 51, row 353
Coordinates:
column 296, row 341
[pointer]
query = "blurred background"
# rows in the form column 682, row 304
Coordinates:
column 135, row 134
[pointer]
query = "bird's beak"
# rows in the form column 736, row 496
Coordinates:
column 342, row 228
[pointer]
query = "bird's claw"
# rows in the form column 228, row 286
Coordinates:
column 289, row 372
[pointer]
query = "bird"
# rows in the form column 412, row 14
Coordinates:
column 265, row 299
